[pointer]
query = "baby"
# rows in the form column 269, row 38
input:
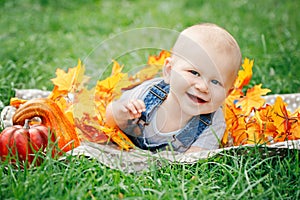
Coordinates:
column 182, row 110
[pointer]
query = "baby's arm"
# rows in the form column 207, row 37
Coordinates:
column 119, row 112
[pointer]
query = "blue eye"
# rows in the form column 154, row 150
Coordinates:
column 194, row 72
column 216, row 82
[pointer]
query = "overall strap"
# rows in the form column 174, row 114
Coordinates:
column 191, row 132
column 155, row 96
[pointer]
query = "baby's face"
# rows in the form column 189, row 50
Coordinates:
column 200, row 78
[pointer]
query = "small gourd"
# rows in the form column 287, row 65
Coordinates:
column 51, row 116
column 22, row 142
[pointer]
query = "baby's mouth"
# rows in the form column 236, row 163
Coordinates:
column 196, row 99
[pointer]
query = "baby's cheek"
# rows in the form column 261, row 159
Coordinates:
column 218, row 97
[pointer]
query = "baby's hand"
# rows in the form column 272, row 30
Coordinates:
column 134, row 108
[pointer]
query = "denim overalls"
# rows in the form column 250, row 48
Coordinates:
column 182, row 141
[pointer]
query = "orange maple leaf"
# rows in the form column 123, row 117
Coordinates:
column 109, row 84
column 295, row 129
column 281, row 116
column 253, row 133
column 239, row 133
column 88, row 129
column 265, row 113
column 235, row 125
column 234, row 96
column 152, row 69
column 259, row 128
column 160, row 59
column 252, row 99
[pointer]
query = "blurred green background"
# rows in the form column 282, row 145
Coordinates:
column 38, row 36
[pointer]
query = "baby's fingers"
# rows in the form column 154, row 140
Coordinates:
column 139, row 105
column 135, row 108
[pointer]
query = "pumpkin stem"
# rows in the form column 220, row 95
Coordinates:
column 26, row 124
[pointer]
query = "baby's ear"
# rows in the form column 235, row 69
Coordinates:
column 167, row 70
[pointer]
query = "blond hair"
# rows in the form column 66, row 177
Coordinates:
column 217, row 37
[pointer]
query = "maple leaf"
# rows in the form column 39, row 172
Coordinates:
column 88, row 129
column 68, row 82
column 252, row 99
column 109, row 84
column 232, row 115
column 244, row 75
column 148, row 72
column 234, row 96
column 84, row 103
column 281, row 116
column 155, row 65
column 239, row 133
column 259, row 127
column 118, row 137
column 235, row 125
column 265, row 113
column 16, row 102
column 152, row 69
column 160, row 59
column 108, row 89
column 253, row 133
column 295, row 129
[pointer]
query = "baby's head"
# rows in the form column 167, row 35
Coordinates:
column 211, row 57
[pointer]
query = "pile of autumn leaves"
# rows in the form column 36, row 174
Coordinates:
column 248, row 119
column 85, row 108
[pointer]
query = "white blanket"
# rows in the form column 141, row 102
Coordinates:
column 140, row 160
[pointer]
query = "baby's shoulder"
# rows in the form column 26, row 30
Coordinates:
column 218, row 116
column 140, row 90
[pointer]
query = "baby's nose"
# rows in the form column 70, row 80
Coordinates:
column 201, row 85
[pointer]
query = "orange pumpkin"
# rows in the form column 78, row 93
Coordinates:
column 21, row 143
column 51, row 116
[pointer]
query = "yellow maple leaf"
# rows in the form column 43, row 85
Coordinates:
column 109, row 84
column 84, row 103
column 253, row 133
column 235, row 95
column 245, row 74
column 107, row 89
column 68, row 82
column 252, row 99
column 147, row 73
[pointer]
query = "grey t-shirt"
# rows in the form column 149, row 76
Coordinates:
column 209, row 139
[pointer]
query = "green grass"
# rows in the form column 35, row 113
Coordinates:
column 230, row 175
column 38, row 36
